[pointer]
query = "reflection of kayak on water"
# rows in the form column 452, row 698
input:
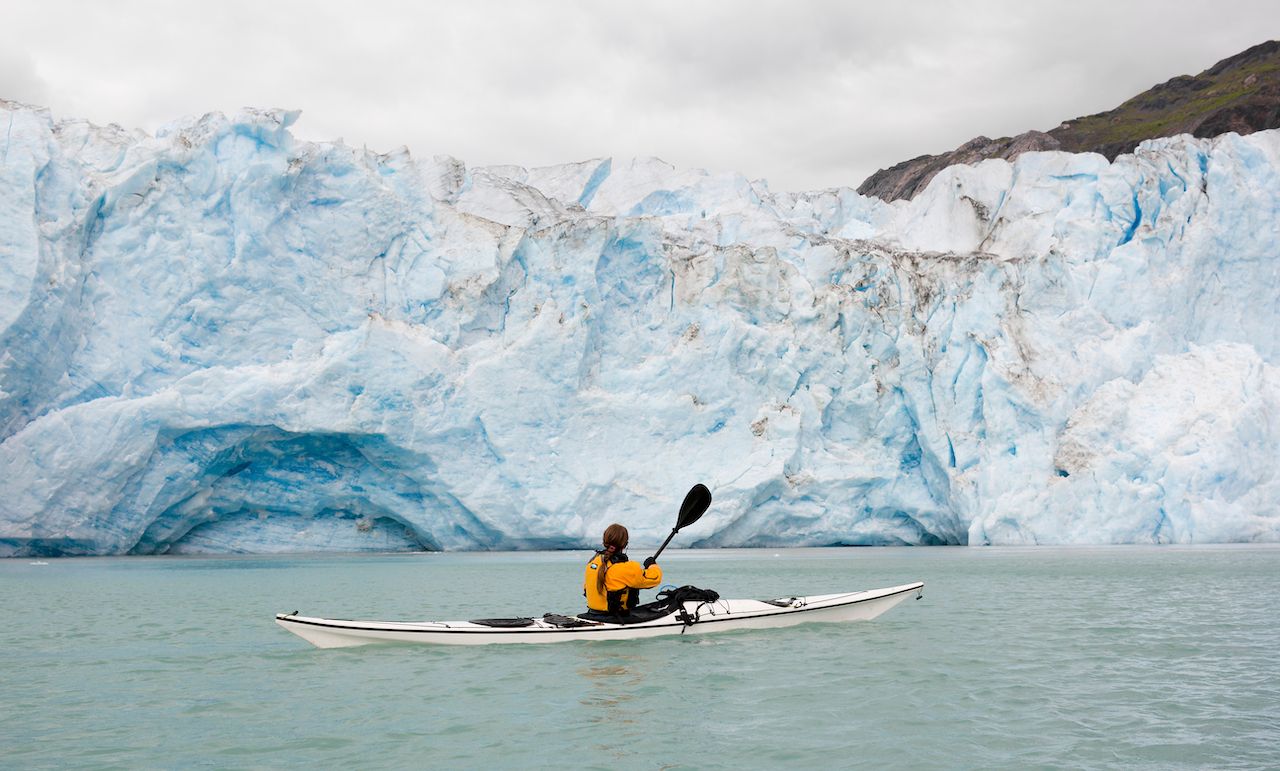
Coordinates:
column 689, row 616
column 676, row 611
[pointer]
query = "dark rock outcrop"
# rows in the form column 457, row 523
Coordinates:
column 1240, row 94
column 905, row 179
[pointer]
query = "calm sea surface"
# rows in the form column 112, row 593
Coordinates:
column 1121, row 657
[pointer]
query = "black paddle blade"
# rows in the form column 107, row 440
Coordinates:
column 694, row 506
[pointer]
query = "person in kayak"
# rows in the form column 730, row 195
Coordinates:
column 612, row 582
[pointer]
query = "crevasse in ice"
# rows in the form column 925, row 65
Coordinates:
column 221, row 338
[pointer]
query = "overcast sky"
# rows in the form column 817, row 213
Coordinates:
column 804, row 94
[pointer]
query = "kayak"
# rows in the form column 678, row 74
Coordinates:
column 689, row 617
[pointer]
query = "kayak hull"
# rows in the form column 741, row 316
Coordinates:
column 697, row 618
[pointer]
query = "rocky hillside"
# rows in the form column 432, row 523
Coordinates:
column 1240, row 94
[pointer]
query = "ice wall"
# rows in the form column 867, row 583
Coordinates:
column 224, row 339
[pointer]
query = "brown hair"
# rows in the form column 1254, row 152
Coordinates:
column 615, row 542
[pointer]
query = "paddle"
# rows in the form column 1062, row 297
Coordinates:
column 694, row 506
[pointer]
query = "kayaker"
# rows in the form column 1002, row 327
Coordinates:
column 612, row 582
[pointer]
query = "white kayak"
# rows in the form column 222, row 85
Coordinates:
column 693, row 617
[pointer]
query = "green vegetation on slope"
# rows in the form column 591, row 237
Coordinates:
column 1244, row 86
column 1241, row 94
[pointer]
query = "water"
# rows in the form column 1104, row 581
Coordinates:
column 1016, row 658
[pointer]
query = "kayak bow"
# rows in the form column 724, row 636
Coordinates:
column 694, row 617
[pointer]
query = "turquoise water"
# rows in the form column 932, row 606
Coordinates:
column 1139, row 657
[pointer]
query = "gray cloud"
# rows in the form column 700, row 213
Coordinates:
column 18, row 79
column 805, row 94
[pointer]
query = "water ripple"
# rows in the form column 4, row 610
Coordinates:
column 1047, row 658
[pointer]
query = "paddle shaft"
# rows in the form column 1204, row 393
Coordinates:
column 674, row 530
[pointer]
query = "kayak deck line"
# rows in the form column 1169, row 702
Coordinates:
column 694, row 616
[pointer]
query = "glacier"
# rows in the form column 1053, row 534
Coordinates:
column 221, row 338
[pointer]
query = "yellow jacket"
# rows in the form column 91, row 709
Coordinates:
column 625, row 578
